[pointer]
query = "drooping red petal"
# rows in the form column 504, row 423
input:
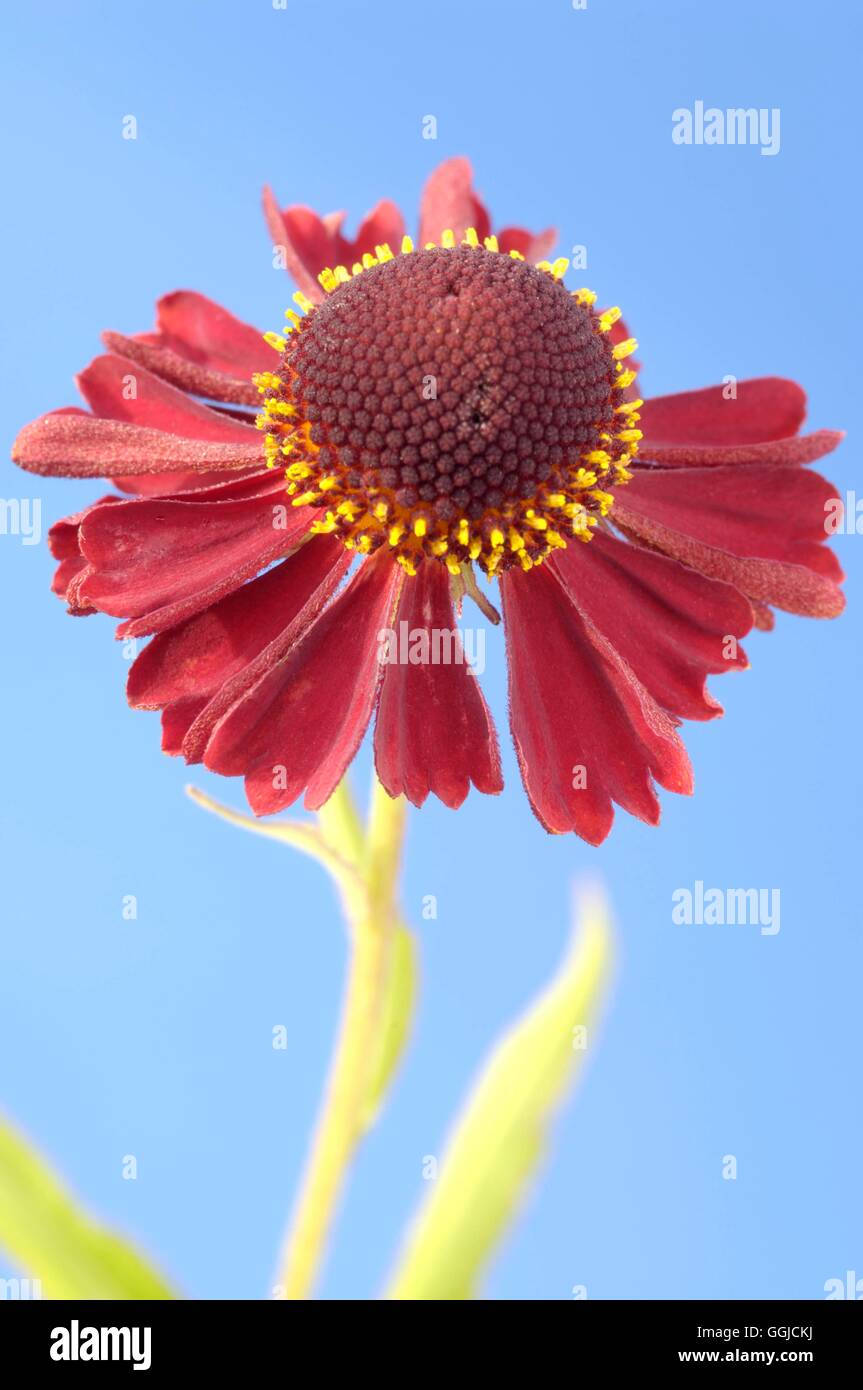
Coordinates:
column 762, row 408
column 81, row 446
column 63, row 542
column 301, row 725
column 116, row 388
column 760, row 528
column 433, row 731
column 186, row 666
column 76, row 576
column 329, row 571
column 450, row 203
column 202, row 653
column 586, row 732
column 671, row 625
column 63, row 535
column 156, row 562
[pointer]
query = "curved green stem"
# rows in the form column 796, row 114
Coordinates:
column 373, row 927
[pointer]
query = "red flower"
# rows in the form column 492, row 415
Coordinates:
column 434, row 412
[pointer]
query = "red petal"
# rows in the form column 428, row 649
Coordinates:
column 321, row 572
column 575, row 704
column 197, row 487
column 158, row 562
column 765, row 407
column 66, row 572
column 80, row 446
column 764, row 617
column 433, row 732
column 64, row 544
column 760, row 528
column 450, row 203
column 383, row 224
column 195, row 327
column 176, row 722
column 201, row 654
column 797, row 450
column 669, row 623
column 533, row 248
column 306, row 242
column 76, row 606
column 107, row 382
column 185, row 667
column 63, row 535
column 301, row 725
column 311, row 243
column 190, row 376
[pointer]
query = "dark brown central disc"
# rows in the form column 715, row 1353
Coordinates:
column 456, row 379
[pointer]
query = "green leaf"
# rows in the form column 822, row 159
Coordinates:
column 500, row 1136
column 49, row 1236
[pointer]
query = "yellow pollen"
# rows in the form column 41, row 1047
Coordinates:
column 624, row 379
column 624, row 349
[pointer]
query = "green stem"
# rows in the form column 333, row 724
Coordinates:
column 340, row 1123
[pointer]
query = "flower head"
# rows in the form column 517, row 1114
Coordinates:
column 438, row 413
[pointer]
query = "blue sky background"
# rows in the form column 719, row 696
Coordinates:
column 154, row 1037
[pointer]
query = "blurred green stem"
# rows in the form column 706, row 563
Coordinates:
column 372, row 920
